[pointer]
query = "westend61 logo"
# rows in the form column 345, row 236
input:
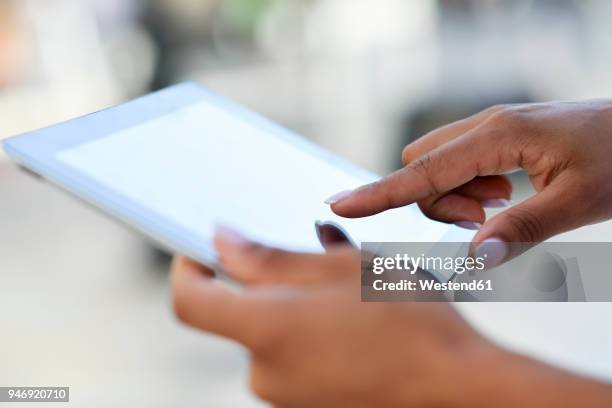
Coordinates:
column 412, row 264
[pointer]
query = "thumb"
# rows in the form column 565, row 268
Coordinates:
column 552, row 211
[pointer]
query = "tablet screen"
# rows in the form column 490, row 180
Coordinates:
column 202, row 164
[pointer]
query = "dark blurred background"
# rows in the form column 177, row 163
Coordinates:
column 83, row 301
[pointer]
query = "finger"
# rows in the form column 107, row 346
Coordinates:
column 203, row 302
column 486, row 189
column 438, row 137
column 550, row 212
column 331, row 235
column 481, row 152
column 255, row 264
column 454, row 208
column 180, row 261
column 464, row 205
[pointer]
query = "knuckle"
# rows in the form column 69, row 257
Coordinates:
column 495, row 108
column 427, row 207
column 526, row 226
column 516, row 117
column 406, row 155
column 508, row 116
column 424, row 166
column 262, row 258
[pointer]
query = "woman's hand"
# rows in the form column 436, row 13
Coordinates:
column 254, row 264
column 313, row 343
column 455, row 171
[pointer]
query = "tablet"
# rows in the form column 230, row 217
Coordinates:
column 176, row 162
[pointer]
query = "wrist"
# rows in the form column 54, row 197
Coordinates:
column 505, row 379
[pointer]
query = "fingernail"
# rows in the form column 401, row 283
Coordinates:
column 493, row 251
column 338, row 197
column 231, row 236
column 469, row 225
column 495, row 203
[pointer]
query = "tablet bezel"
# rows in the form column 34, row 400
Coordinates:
column 38, row 150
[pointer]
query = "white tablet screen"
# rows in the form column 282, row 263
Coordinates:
column 202, row 165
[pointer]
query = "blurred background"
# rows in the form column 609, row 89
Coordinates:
column 84, row 302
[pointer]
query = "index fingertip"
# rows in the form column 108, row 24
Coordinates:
column 346, row 209
column 347, row 203
column 361, row 202
column 336, row 198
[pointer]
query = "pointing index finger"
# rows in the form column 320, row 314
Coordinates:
column 402, row 187
column 477, row 153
